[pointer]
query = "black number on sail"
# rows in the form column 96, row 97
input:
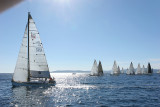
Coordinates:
column 39, row 49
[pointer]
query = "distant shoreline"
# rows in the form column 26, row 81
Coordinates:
column 80, row 71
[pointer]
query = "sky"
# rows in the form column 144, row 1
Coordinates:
column 75, row 32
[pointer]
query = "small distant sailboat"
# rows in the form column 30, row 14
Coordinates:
column 131, row 70
column 31, row 67
column 158, row 72
column 115, row 70
column 144, row 70
column 127, row 71
column 100, row 69
column 149, row 69
column 94, row 70
column 138, row 71
column 119, row 71
column 122, row 71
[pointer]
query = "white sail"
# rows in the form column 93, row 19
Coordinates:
column 131, row 69
column 119, row 71
column 37, row 59
column 143, row 70
column 127, row 71
column 138, row 71
column 122, row 71
column 21, row 69
column 115, row 68
column 94, row 70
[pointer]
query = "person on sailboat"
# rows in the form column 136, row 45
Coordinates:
column 51, row 80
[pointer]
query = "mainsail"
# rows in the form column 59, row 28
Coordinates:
column 31, row 61
column 94, row 70
column 21, row 69
column 37, row 60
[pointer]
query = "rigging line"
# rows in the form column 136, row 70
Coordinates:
column 28, row 49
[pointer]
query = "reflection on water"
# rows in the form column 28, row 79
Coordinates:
column 81, row 89
column 23, row 96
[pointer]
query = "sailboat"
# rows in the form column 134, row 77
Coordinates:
column 158, row 72
column 138, row 71
column 100, row 69
column 143, row 70
column 119, row 71
column 115, row 70
column 31, row 67
column 131, row 70
column 149, row 69
column 127, row 72
column 94, row 70
column 122, row 71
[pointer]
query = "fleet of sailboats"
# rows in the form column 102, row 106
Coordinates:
column 98, row 70
column 31, row 66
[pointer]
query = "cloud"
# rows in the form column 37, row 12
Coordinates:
column 156, row 65
column 154, row 60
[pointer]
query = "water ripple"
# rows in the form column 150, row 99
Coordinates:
column 84, row 90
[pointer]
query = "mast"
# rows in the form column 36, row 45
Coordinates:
column 28, row 49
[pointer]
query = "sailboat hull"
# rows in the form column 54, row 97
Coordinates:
column 33, row 84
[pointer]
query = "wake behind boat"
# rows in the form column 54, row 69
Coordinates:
column 31, row 67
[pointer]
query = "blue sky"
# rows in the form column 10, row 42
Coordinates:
column 75, row 32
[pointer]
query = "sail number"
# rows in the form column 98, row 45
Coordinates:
column 38, row 49
column 33, row 35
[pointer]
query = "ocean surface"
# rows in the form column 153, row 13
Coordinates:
column 80, row 89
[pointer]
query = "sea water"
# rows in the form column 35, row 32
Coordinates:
column 81, row 89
